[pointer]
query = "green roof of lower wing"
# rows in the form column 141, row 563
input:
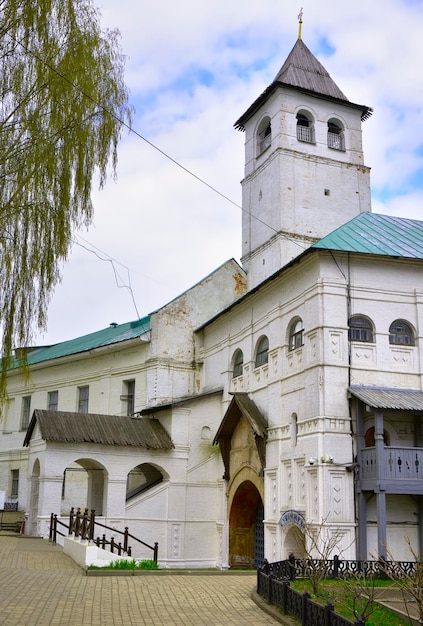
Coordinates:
column 370, row 233
column 106, row 336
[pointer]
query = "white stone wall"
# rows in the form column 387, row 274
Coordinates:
column 312, row 381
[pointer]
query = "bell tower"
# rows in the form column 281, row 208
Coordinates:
column 304, row 167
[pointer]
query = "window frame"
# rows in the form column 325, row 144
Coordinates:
column 262, row 352
column 295, row 335
column 238, row 363
column 14, row 483
column 367, row 326
column 128, row 396
column 83, row 402
column 303, row 135
column 51, row 404
column 336, row 130
column 264, row 135
column 396, row 338
column 25, row 412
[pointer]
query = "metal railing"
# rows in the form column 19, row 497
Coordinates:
column 336, row 141
column 293, row 568
column 83, row 525
column 11, row 506
column 265, row 143
column 305, row 133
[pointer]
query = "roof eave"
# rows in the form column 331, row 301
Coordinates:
column 366, row 111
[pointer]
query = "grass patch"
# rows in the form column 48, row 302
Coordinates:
column 128, row 564
column 335, row 591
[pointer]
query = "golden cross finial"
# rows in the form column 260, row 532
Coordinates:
column 300, row 26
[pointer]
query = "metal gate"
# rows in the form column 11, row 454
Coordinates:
column 259, row 536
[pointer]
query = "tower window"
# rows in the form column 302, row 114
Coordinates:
column 264, row 135
column 361, row 329
column 262, row 352
column 305, row 128
column 335, row 135
column 401, row 333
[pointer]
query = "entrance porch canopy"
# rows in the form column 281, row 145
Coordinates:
column 389, row 398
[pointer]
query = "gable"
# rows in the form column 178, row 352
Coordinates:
column 243, row 424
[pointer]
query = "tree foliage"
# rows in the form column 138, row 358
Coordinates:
column 63, row 103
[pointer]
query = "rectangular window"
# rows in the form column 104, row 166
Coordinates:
column 53, row 400
column 26, row 412
column 83, row 395
column 128, row 397
column 15, row 484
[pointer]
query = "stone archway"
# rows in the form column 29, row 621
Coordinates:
column 84, row 486
column 294, row 542
column 246, row 533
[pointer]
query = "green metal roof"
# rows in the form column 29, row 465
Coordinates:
column 370, row 233
column 105, row 337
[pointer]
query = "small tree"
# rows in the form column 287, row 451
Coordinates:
column 63, row 103
column 409, row 581
column 318, row 545
column 361, row 590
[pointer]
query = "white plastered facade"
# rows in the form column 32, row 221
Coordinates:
column 184, row 370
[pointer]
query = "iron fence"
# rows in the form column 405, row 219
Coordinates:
column 273, row 583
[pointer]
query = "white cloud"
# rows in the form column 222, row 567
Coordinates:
column 193, row 68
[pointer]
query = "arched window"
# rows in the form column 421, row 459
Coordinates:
column 264, row 135
column 401, row 333
column 296, row 334
column 262, row 351
column 238, row 363
column 336, row 135
column 369, row 438
column 305, row 128
column 361, row 329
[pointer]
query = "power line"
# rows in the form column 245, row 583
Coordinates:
column 112, row 262
column 150, row 143
column 130, row 128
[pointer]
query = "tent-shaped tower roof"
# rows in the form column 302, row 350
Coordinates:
column 302, row 71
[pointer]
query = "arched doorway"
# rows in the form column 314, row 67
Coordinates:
column 246, row 531
column 83, row 486
column 295, row 542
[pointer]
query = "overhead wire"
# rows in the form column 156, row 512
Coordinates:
column 150, row 143
column 131, row 129
column 112, row 262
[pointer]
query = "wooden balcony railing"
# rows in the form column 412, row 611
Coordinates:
column 396, row 463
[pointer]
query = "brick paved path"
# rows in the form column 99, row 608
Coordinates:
column 41, row 586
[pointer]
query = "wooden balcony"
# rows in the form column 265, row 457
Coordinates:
column 400, row 470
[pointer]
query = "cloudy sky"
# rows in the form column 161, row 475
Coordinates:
column 193, row 67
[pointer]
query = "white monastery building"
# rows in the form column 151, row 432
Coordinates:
column 281, row 396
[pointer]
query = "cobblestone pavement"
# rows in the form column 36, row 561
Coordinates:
column 41, row 586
